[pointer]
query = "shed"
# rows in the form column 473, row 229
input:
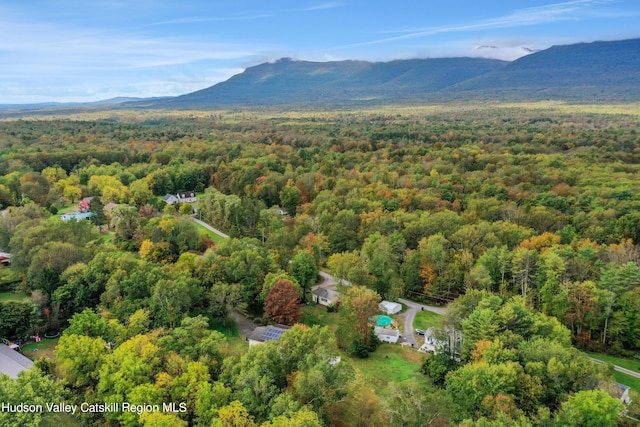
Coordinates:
column 389, row 307
column 12, row 362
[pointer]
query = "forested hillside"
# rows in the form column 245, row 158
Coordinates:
column 525, row 215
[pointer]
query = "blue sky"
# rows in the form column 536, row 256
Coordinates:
column 86, row 50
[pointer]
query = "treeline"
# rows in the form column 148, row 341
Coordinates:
column 530, row 215
column 426, row 203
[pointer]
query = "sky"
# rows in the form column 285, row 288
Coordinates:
column 89, row 50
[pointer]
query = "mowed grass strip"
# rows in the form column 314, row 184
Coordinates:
column 15, row 296
column 625, row 379
column 426, row 319
column 631, row 364
column 211, row 235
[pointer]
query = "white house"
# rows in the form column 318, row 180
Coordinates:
column 387, row 335
column 187, row 196
column 389, row 307
column 12, row 362
column 266, row 333
column 325, row 296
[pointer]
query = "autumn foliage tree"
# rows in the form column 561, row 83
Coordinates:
column 281, row 303
column 354, row 330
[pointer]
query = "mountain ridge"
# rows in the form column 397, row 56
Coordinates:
column 602, row 70
column 582, row 72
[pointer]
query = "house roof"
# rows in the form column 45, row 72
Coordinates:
column 169, row 197
column 390, row 306
column 186, row 194
column 384, row 331
column 268, row 333
column 12, row 362
column 325, row 293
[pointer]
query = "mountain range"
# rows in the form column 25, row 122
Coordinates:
column 588, row 72
column 606, row 71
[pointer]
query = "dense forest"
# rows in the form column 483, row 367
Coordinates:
column 524, row 217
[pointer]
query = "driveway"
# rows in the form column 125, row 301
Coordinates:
column 245, row 326
column 409, row 316
column 329, row 282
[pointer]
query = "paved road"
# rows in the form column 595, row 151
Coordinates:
column 618, row 368
column 210, row 228
column 328, row 281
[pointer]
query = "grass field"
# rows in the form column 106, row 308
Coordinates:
column 426, row 319
column 211, row 235
column 631, row 364
column 632, row 382
column 228, row 328
column 389, row 363
column 17, row 296
column 316, row 314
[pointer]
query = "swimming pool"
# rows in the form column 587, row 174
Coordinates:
column 383, row 320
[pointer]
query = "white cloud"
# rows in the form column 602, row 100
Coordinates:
column 571, row 10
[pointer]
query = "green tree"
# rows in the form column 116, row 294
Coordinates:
column 224, row 299
column 590, row 408
column 32, row 387
column 407, row 404
column 290, row 198
column 80, row 358
column 358, row 306
column 305, row 270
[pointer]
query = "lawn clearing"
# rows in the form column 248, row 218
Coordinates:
column 44, row 348
column 317, row 314
column 426, row 319
column 15, row 296
column 389, row 363
column 228, row 328
column 632, row 382
column 211, row 235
